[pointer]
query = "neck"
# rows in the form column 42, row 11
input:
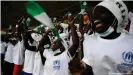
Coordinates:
column 113, row 35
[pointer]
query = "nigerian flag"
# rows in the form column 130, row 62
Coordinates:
column 36, row 11
column 39, row 28
column 10, row 27
column 83, row 5
column 28, row 21
column 69, row 13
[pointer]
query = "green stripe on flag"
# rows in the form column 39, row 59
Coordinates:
column 28, row 21
column 10, row 27
column 33, row 8
column 83, row 5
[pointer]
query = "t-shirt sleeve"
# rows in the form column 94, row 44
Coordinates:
column 67, row 57
column 46, row 53
column 88, row 58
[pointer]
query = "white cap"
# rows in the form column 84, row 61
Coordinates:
column 119, row 10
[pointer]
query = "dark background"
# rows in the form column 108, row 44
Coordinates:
column 11, row 11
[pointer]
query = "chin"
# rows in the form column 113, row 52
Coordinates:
column 100, row 30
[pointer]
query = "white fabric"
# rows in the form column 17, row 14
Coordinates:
column 131, row 25
column 65, row 27
column 9, row 53
column 29, row 59
column 38, row 66
column 56, row 65
column 3, row 46
column 18, row 53
column 109, row 57
column 117, row 12
column 37, row 37
column 44, row 19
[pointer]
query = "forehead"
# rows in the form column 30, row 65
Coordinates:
column 100, row 10
column 57, row 41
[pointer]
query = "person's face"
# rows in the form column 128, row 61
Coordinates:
column 103, row 19
column 56, row 45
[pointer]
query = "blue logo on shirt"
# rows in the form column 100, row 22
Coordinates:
column 128, row 57
column 56, row 64
column 127, row 65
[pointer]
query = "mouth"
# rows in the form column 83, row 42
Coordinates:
column 99, row 25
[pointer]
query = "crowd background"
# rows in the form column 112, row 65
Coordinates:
column 15, row 13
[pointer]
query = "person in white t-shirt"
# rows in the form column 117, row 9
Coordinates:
column 109, row 50
column 8, row 60
column 31, row 47
column 3, row 46
column 58, row 56
column 18, row 52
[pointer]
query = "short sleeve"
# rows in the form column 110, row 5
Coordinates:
column 46, row 53
column 88, row 58
column 66, row 56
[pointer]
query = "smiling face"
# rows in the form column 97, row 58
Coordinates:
column 103, row 19
column 56, row 45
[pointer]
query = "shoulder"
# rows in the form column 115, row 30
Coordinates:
column 128, row 37
column 89, row 39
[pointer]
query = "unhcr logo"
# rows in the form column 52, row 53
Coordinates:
column 127, row 57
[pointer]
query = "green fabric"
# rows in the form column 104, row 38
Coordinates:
column 56, row 33
column 10, row 27
column 82, row 6
column 77, row 16
column 33, row 8
column 69, row 13
column 28, row 21
column 40, row 27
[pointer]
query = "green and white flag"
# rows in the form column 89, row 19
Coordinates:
column 39, row 28
column 28, row 21
column 10, row 27
column 36, row 11
column 69, row 13
column 83, row 5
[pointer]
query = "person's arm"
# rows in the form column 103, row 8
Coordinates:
column 81, row 25
column 26, row 44
column 45, row 40
column 75, row 40
column 88, row 70
column 18, row 30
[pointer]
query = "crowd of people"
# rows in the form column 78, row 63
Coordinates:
column 100, row 43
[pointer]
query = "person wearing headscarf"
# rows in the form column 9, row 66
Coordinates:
column 109, row 49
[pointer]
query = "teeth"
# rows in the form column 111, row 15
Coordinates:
column 98, row 25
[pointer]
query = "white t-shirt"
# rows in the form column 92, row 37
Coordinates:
column 9, row 53
column 18, row 53
column 29, row 59
column 109, row 57
column 3, row 46
column 131, row 25
column 38, row 66
column 56, row 65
